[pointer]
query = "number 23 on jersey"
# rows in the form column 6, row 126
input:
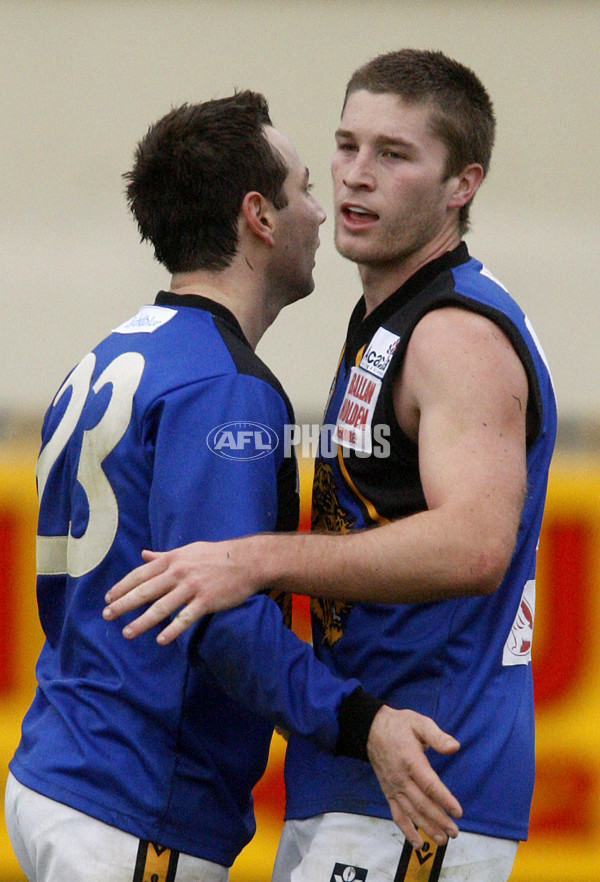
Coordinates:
column 77, row 555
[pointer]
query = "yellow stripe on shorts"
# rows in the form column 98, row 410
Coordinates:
column 155, row 863
column 420, row 865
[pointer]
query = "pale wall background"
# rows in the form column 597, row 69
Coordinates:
column 80, row 82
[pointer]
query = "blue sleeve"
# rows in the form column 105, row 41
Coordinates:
column 264, row 666
column 196, row 493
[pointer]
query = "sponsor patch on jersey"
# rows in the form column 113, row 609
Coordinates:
column 420, row 864
column 147, row 320
column 517, row 649
column 347, row 873
column 155, row 863
column 378, row 355
column 355, row 417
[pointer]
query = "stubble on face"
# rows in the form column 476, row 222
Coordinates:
column 401, row 180
column 398, row 238
column 291, row 270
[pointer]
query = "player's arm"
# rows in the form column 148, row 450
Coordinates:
column 462, row 394
column 248, row 650
column 265, row 667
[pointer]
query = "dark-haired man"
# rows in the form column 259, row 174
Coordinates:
column 426, row 609
column 136, row 762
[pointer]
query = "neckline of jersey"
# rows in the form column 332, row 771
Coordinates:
column 361, row 329
column 197, row 301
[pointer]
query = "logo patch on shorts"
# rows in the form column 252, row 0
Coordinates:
column 420, row 865
column 155, row 863
column 347, row 873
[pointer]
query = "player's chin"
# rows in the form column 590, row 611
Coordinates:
column 352, row 248
column 306, row 288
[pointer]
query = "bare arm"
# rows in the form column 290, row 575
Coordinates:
column 462, row 395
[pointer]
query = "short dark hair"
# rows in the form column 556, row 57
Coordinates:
column 191, row 173
column 462, row 112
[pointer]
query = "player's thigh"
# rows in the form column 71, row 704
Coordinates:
column 485, row 858
column 294, row 843
column 340, row 847
column 14, row 831
column 55, row 843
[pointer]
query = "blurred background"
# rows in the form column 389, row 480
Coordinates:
column 81, row 82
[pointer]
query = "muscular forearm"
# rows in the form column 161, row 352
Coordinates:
column 421, row 558
column 430, row 556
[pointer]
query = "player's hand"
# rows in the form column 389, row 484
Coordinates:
column 417, row 797
column 196, row 579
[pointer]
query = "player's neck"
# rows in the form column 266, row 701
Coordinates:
column 232, row 292
column 380, row 281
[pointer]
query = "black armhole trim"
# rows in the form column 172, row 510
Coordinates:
column 514, row 335
column 504, row 323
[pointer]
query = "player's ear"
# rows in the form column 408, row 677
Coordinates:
column 465, row 185
column 258, row 213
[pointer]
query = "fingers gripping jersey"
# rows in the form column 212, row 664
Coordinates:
column 465, row 661
column 166, row 433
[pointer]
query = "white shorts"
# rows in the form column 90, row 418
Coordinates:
column 55, row 843
column 339, row 847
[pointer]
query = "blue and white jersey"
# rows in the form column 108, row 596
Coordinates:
column 170, row 431
column 464, row 661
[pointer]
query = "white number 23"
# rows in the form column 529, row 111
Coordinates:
column 78, row 555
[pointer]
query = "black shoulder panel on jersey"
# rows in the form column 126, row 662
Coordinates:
column 248, row 362
column 244, row 357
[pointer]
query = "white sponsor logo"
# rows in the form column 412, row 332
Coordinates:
column 147, row 320
column 379, row 352
column 517, row 649
column 353, row 424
